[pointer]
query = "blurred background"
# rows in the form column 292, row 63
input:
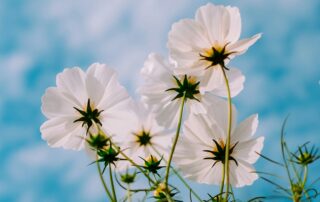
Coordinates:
column 40, row 38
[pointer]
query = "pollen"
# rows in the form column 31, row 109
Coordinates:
column 216, row 55
column 221, row 144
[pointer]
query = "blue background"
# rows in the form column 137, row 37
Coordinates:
column 40, row 38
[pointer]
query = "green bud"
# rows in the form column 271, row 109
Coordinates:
column 152, row 164
column 97, row 141
column 305, row 156
column 128, row 178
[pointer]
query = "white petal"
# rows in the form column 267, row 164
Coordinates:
column 187, row 35
column 98, row 77
column 212, row 79
column 156, row 69
column 72, row 82
column 246, row 129
column 200, row 130
column 197, row 107
column 114, row 95
column 234, row 30
column 58, row 131
column 113, row 122
column 76, row 139
column 247, row 151
column 242, row 175
column 236, row 80
column 219, row 112
column 101, row 72
column 216, row 20
column 242, row 46
column 169, row 114
column 54, row 104
column 212, row 175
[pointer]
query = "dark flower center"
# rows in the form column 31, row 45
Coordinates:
column 88, row 116
column 216, row 56
column 143, row 138
column 219, row 153
column 187, row 87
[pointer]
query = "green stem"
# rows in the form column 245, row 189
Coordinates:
column 175, row 141
column 283, row 150
column 103, row 182
column 129, row 193
column 233, row 198
column 222, row 182
column 112, row 183
column 305, row 177
column 179, row 176
column 226, row 161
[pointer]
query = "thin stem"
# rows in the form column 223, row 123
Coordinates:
column 112, row 183
column 283, row 147
column 175, row 140
column 226, row 161
column 233, row 198
column 103, row 182
column 179, row 176
column 305, row 177
column 222, row 182
column 291, row 162
column 129, row 193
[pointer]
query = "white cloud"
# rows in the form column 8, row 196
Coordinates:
column 13, row 67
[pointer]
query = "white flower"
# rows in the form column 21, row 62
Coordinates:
column 80, row 100
column 204, row 45
column 146, row 137
column 200, row 152
column 163, row 91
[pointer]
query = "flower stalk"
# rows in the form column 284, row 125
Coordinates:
column 112, row 184
column 226, row 161
column 175, row 140
column 103, row 182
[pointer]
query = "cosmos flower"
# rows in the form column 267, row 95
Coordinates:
column 80, row 101
column 146, row 137
column 204, row 45
column 200, row 153
column 163, row 90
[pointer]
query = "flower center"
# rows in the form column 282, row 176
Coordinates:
column 187, row 86
column 88, row 116
column 218, row 152
column 216, row 56
column 143, row 138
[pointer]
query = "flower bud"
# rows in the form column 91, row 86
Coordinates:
column 128, row 178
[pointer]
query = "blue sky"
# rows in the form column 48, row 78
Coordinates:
column 40, row 38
